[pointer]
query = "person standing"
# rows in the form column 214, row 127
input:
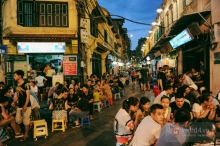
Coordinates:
column 40, row 84
column 23, row 100
column 144, row 75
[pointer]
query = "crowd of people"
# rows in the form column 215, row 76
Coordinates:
column 20, row 107
column 185, row 113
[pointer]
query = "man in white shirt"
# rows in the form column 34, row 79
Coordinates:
column 150, row 127
column 166, row 92
column 186, row 80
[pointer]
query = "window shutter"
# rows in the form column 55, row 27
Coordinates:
column 20, row 13
column 96, row 29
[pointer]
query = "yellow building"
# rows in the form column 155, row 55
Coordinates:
column 40, row 32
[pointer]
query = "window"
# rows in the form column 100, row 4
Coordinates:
column 184, row 4
column 105, row 36
column 43, row 14
column 93, row 28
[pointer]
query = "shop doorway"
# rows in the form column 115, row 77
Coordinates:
column 96, row 64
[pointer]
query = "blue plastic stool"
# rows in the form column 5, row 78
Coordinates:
column 85, row 123
column 106, row 103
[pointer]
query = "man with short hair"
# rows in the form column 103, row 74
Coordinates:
column 179, row 103
column 89, row 96
column 150, row 127
column 175, row 134
column 186, row 80
column 144, row 76
column 166, row 92
column 23, row 98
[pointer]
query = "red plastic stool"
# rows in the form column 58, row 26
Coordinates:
column 156, row 93
column 111, row 101
column 155, row 88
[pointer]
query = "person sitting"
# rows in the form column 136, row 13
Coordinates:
column 81, row 110
column 72, row 98
column 165, row 102
column 66, row 85
column 34, row 88
column 204, row 108
column 166, row 92
column 8, row 118
column 89, row 96
column 175, row 134
column 35, row 107
column 142, row 112
column 150, row 125
column 52, row 91
column 59, row 105
column 96, row 95
column 202, row 133
column 179, row 103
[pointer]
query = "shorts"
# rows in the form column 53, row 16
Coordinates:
column 49, row 81
column 41, row 89
column 23, row 116
column 143, row 80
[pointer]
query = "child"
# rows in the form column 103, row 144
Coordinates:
column 143, row 110
column 165, row 102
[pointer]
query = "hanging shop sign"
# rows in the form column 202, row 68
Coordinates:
column 3, row 49
column 21, row 65
column 70, row 65
column 182, row 38
column 41, row 47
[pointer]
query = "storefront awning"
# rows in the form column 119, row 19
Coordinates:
column 186, row 20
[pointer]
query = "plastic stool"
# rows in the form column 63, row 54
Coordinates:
column 40, row 129
column 117, row 95
column 54, row 124
column 156, row 93
column 111, row 101
column 155, row 88
column 106, row 103
column 98, row 104
column 85, row 123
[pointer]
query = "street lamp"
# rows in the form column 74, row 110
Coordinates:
column 154, row 23
column 159, row 10
column 150, row 31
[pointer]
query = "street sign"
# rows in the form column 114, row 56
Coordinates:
column 3, row 49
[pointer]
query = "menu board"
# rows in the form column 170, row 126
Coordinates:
column 21, row 65
column 70, row 65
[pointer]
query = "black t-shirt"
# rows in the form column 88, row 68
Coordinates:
column 83, row 104
column 21, row 93
column 174, row 107
column 70, row 99
column 120, row 84
column 202, row 78
column 89, row 96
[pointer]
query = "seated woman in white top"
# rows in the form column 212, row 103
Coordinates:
column 202, row 133
column 204, row 108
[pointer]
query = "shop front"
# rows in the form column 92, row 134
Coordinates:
column 32, row 57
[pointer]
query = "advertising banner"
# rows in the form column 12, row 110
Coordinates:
column 57, row 78
column 70, row 65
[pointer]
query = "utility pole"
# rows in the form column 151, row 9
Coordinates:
column 82, row 33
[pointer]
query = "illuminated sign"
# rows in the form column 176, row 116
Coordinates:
column 41, row 47
column 182, row 38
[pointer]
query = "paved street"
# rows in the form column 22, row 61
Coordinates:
column 99, row 133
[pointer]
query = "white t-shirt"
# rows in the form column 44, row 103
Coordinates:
column 40, row 81
column 34, row 102
column 197, row 108
column 158, row 98
column 147, row 132
column 34, row 89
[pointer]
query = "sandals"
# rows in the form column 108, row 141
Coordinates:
column 23, row 139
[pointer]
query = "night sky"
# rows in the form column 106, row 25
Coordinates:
column 136, row 10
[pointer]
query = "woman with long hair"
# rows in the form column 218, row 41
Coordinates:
column 144, row 106
column 123, row 123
